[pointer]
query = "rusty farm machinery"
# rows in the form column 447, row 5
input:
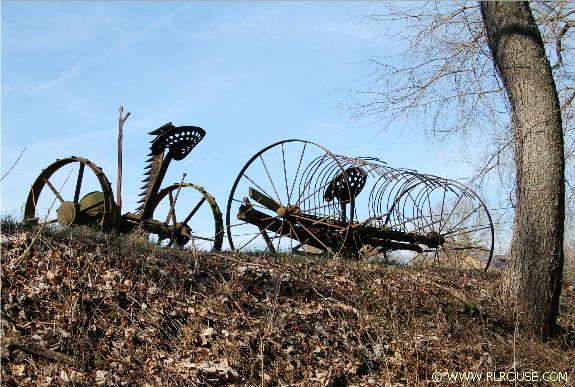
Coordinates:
column 293, row 197
column 82, row 195
column 297, row 197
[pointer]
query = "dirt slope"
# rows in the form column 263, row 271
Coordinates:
column 83, row 308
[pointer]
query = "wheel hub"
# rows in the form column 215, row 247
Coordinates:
column 285, row 212
column 182, row 235
column 435, row 239
column 66, row 213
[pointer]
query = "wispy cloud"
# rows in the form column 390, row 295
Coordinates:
column 284, row 21
column 73, row 71
column 320, row 123
column 82, row 65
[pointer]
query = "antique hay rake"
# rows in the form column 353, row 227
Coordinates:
column 83, row 195
column 296, row 196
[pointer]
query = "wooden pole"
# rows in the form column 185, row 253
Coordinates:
column 120, row 138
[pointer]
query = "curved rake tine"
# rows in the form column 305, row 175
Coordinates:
column 405, row 209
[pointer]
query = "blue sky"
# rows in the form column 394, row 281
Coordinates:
column 249, row 73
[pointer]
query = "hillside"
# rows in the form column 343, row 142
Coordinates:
column 90, row 309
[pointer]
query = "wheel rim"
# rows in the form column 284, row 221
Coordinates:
column 281, row 188
column 193, row 208
column 62, row 186
column 430, row 205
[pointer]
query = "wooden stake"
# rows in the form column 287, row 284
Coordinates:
column 120, row 137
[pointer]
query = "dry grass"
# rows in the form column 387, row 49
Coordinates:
column 115, row 310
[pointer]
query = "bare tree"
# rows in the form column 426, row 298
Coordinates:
column 450, row 70
column 516, row 104
column 534, row 281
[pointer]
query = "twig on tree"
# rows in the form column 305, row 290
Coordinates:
column 13, row 165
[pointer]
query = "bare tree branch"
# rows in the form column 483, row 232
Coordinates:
column 450, row 82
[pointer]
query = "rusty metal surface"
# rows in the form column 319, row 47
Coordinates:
column 176, row 228
column 106, row 221
column 170, row 142
column 97, row 207
column 295, row 196
column 279, row 206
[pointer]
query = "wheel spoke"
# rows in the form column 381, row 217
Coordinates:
column 270, row 178
column 290, row 237
column 316, row 238
column 478, row 248
column 414, row 258
column 193, row 212
column 451, row 213
column 460, row 246
column 285, row 175
column 252, row 239
column 467, row 216
column 424, row 226
column 280, row 234
column 450, row 257
column 267, row 239
column 298, row 239
column 54, row 190
column 463, row 231
column 298, row 167
column 442, row 206
column 79, row 183
column 257, row 185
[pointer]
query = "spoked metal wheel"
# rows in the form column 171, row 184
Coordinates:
column 187, row 216
column 285, row 199
column 451, row 216
column 72, row 191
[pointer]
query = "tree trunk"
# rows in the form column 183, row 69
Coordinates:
column 533, row 283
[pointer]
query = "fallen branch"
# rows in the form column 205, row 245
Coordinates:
column 459, row 297
column 11, row 337
column 44, row 352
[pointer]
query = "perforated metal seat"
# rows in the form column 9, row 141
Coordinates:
column 179, row 140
